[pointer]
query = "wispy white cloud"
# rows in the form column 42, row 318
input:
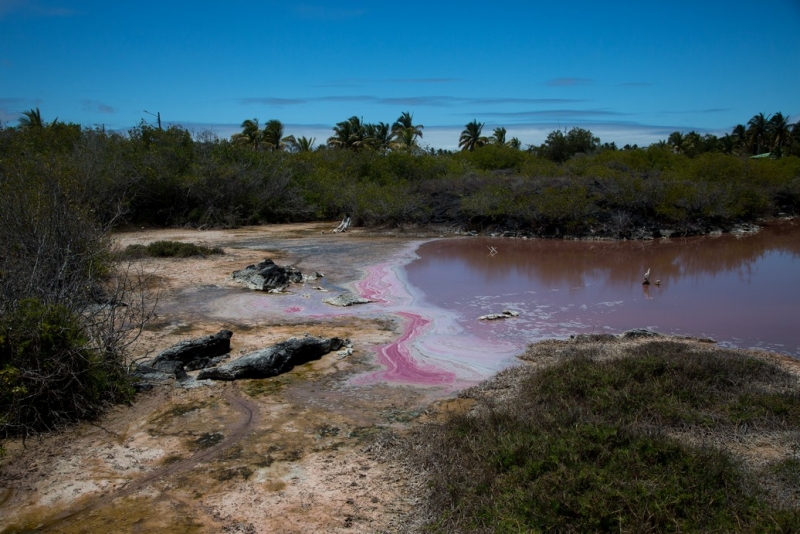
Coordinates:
column 418, row 100
column 546, row 114
column 568, row 82
column 36, row 9
column 97, row 106
column 696, row 111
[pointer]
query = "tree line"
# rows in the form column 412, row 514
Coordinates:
column 764, row 134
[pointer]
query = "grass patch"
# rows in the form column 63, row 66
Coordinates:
column 167, row 249
column 630, row 444
column 208, row 439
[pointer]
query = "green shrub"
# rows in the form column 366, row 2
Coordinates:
column 167, row 249
column 589, row 446
column 50, row 374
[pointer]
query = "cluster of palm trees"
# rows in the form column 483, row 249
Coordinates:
column 355, row 134
column 270, row 137
column 772, row 134
column 472, row 138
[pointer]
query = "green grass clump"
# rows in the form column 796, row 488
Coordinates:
column 168, row 249
column 627, row 445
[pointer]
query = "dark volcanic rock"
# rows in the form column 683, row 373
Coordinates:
column 266, row 276
column 274, row 360
column 192, row 350
column 188, row 355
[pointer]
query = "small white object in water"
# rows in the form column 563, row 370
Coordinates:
column 505, row 315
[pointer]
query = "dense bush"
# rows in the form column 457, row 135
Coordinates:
column 67, row 312
column 50, row 373
column 165, row 177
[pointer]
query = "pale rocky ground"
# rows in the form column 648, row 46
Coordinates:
column 301, row 453
column 296, row 453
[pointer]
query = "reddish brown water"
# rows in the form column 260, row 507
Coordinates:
column 741, row 291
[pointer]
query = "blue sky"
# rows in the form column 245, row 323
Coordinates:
column 632, row 72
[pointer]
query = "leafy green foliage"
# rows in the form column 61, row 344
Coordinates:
column 49, row 373
column 168, row 249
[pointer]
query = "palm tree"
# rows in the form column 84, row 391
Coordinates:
column 515, row 143
column 250, row 134
column 779, row 131
column 272, row 136
column 301, row 144
column 32, row 120
column 757, row 132
column 739, row 134
column 377, row 136
column 405, row 139
column 499, row 136
column 675, row 140
column 347, row 134
column 404, row 131
column 471, row 136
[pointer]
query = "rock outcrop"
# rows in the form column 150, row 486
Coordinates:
column 267, row 276
column 188, row 355
column 274, row 360
column 346, row 299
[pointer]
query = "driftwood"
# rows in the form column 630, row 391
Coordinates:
column 494, row 316
column 344, row 225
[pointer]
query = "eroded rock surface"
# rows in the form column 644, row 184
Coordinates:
column 188, row 355
column 274, row 360
column 346, row 299
column 267, row 276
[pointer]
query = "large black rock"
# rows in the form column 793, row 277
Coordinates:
column 267, row 276
column 274, row 360
column 192, row 354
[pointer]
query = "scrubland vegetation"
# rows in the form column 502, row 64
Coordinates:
column 657, row 437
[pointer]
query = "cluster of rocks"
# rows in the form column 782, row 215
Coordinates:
column 272, row 278
column 208, row 352
column 189, row 355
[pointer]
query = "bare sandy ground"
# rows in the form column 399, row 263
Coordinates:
column 296, row 453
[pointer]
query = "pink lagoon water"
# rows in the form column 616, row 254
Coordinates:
column 741, row 291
